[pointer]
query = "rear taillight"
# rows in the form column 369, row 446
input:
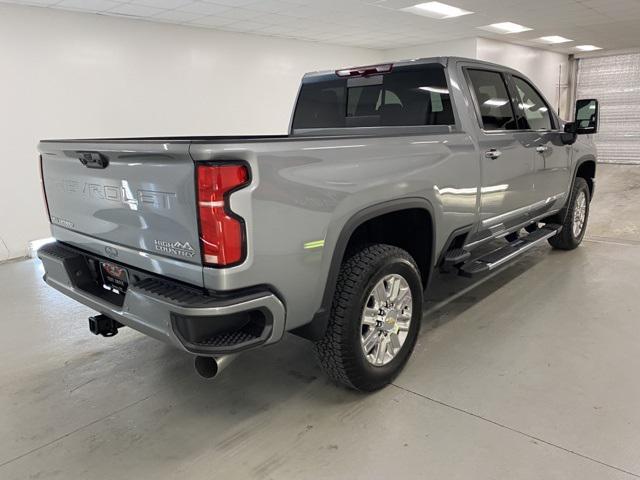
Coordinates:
column 44, row 191
column 222, row 232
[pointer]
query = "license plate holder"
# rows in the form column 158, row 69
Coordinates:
column 114, row 277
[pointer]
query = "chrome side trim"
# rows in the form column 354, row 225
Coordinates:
column 521, row 211
column 503, row 233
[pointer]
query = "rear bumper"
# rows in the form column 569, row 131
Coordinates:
column 194, row 320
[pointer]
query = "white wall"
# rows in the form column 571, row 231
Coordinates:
column 70, row 75
column 541, row 66
column 466, row 47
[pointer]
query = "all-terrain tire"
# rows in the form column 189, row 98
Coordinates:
column 341, row 351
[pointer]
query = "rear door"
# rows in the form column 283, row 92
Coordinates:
column 508, row 168
column 133, row 201
column 552, row 157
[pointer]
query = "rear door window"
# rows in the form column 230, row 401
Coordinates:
column 492, row 99
column 403, row 97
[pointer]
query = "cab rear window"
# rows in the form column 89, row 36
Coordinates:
column 409, row 97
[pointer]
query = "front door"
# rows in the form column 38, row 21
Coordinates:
column 552, row 157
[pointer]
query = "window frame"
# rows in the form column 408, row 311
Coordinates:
column 474, row 98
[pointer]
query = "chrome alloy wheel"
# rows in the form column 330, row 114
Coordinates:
column 386, row 318
column 579, row 214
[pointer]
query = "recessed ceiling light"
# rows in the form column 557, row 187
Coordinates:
column 588, row 48
column 554, row 39
column 505, row 27
column 437, row 10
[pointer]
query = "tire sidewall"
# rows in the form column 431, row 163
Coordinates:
column 581, row 186
column 377, row 376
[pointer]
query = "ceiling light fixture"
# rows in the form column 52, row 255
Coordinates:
column 588, row 48
column 437, row 10
column 554, row 39
column 505, row 27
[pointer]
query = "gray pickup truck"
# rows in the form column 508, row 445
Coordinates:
column 332, row 232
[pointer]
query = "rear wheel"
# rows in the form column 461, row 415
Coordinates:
column 375, row 318
column 576, row 214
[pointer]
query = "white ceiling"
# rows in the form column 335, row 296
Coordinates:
column 610, row 24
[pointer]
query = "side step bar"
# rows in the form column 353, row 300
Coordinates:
column 501, row 256
column 455, row 257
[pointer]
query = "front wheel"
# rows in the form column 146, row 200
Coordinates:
column 375, row 318
column 575, row 218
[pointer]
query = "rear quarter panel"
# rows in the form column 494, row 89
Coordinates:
column 306, row 190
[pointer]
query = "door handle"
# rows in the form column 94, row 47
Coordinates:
column 541, row 148
column 492, row 154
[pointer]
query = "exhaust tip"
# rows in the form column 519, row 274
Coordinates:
column 207, row 367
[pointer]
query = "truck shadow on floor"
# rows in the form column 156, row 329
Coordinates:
column 292, row 360
column 450, row 295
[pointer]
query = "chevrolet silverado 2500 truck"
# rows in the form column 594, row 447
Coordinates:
column 332, row 232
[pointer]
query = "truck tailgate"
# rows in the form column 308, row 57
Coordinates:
column 140, row 196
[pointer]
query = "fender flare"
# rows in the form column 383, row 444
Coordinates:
column 560, row 216
column 314, row 330
column 582, row 160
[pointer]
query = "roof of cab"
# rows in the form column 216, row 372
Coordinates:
column 444, row 61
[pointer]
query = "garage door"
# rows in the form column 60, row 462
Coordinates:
column 615, row 81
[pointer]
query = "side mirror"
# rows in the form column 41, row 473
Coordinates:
column 586, row 119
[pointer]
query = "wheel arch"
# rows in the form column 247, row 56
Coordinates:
column 316, row 327
column 586, row 168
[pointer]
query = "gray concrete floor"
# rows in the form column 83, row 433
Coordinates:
column 528, row 374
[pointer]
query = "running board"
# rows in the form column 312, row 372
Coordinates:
column 456, row 256
column 503, row 255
